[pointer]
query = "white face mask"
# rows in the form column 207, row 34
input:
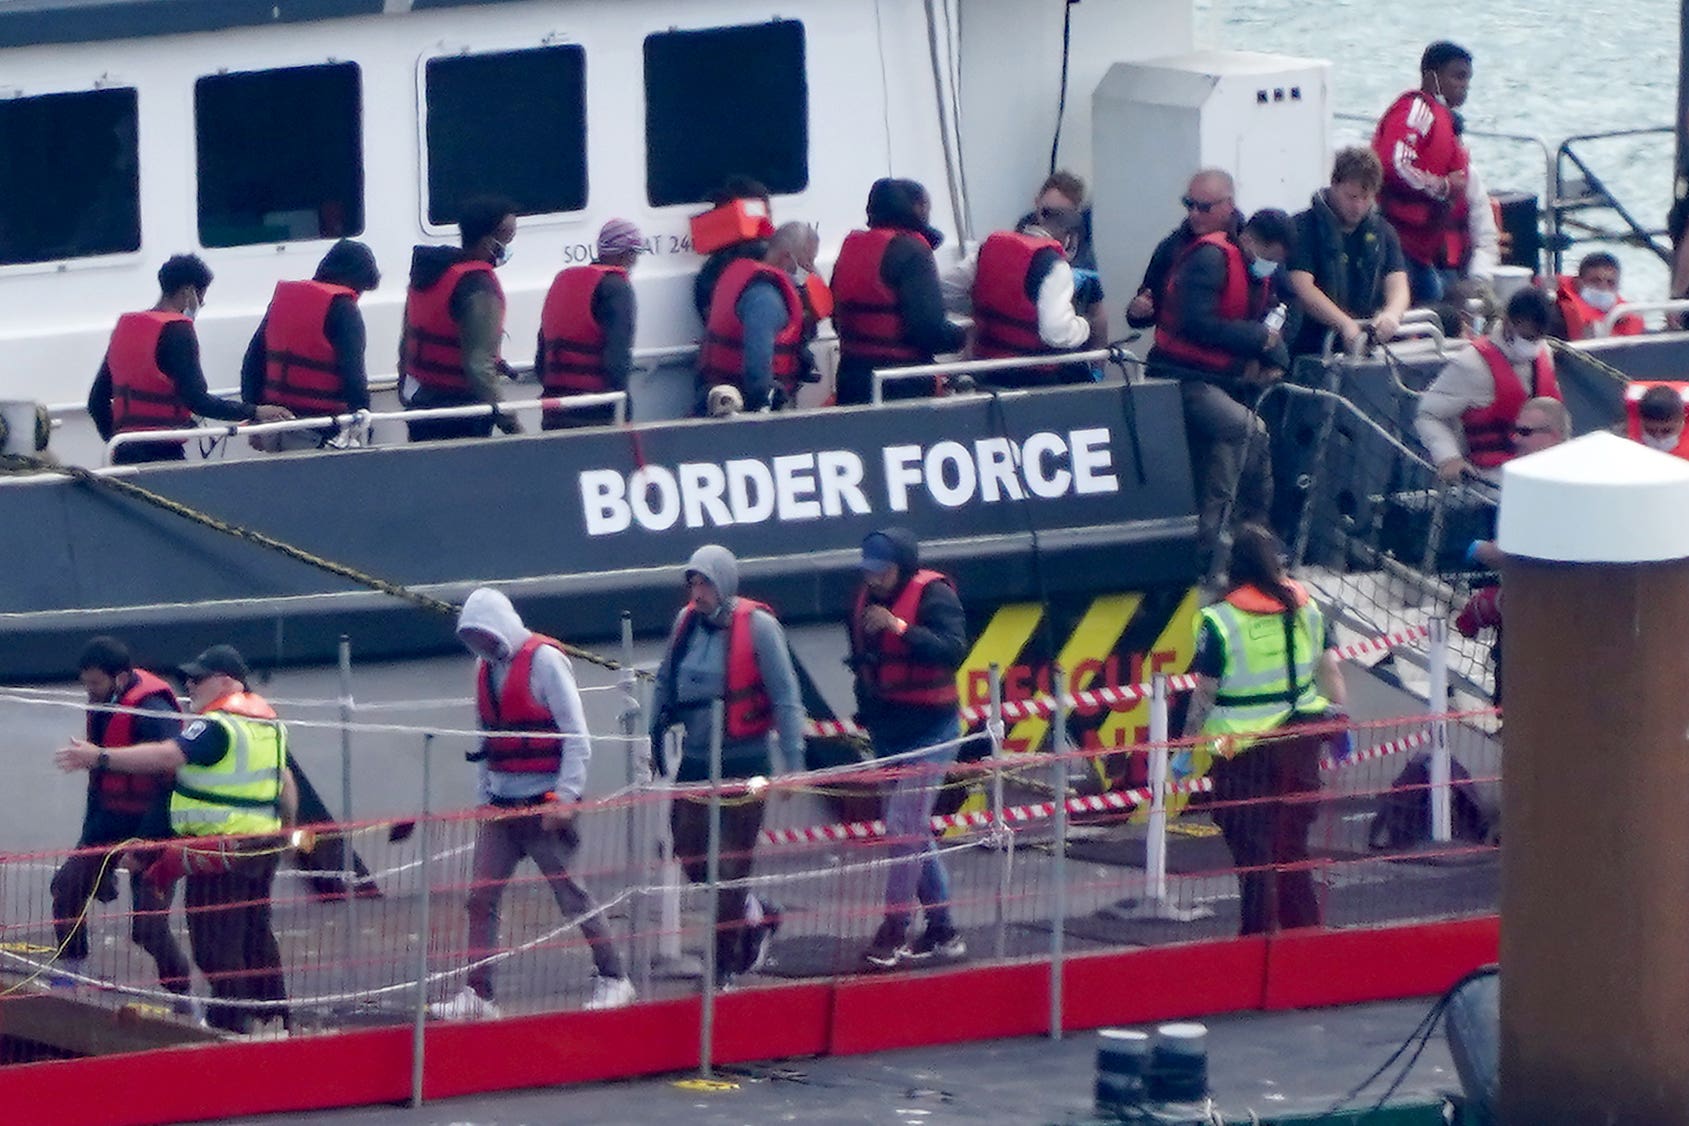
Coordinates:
column 501, row 253
column 191, row 309
column 1518, row 349
column 1262, row 268
column 1602, row 300
column 1664, row 445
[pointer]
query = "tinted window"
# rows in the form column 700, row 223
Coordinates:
column 280, row 155
column 723, row 102
column 69, row 180
column 509, row 124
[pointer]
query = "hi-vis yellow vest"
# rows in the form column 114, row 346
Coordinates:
column 1262, row 684
column 241, row 792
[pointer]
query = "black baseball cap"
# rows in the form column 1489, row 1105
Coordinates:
column 222, row 660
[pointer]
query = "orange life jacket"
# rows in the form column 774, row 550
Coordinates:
column 300, row 368
column 142, row 396
column 865, row 312
column 1432, row 231
column 243, row 703
column 117, row 791
column 1005, row 318
column 572, row 341
column 1633, row 393
column 433, row 352
column 748, row 709
column 515, row 708
column 722, row 357
column 1581, row 317
column 1241, row 298
column 1489, row 430
column 897, row 675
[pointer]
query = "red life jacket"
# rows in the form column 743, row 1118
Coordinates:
column 865, row 312
column 118, row 792
column 1433, row 231
column 1489, row 430
column 749, row 711
column 1241, row 298
column 1633, row 393
column 1581, row 317
column 142, row 396
column 1005, row 318
column 433, row 352
column 300, row 372
column 898, row 675
column 571, row 340
column 722, row 357
column 516, row 709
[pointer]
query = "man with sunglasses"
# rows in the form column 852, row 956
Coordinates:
column 1209, row 208
column 1467, row 416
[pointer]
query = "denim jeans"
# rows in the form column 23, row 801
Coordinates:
column 917, row 873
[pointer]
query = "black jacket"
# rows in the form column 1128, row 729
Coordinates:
column 937, row 635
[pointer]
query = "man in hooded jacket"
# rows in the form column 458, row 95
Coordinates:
column 729, row 648
column 524, row 683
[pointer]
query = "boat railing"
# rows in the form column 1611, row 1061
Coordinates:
column 359, row 422
column 882, row 376
column 1604, row 327
column 1416, row 324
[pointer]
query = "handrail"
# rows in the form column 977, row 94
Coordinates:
column 363, row 419
column 882, row 376
column 1414, row 323
column 1604, row 326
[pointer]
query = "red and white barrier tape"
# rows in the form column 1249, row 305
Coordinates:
column 1113, row 800
column 1115, row 698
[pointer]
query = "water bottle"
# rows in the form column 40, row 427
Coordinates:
column 1274, row 320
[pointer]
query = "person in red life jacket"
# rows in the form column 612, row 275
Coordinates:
column 308, row 352
column 234, row 795
column 889, row 310
column 1466, row 417
column 1656, row 416
column 531, row 777
column 1019, row 288
column 1210, row 336
column 454, row 323
column 725, row 647
column 1210, row 207
column 1425, row 170
column 759, row 329
column 1581, row 304
column 122, row 809
column 151, row 378
column 587, row 327
column 908, row 638
column 709, row 274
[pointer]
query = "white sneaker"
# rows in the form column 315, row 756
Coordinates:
column 467, row 1005
column 610, row 993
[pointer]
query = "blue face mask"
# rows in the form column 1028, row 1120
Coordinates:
column 1262, row 268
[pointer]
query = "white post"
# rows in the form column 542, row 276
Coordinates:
column 1155, row 844
column 1442, row 825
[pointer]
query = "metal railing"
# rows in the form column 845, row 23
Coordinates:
column 1604, row 327
column 1115, row 354
column 1415, row 324
column 361, row 421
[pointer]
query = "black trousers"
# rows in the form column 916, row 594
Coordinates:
column 1275, row 784
column 234, row 940
column 74, row 886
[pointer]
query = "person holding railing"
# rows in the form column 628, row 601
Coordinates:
column 1348, row 265
column 1265, row 668
column 308, row 352
column 454, row 324
column 587, row 327
column 908, row 638
column 151, row 378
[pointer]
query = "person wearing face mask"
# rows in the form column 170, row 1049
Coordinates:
column 1210, row 337
column 1466, row 417
column 761, row 321
column 1655, row 416
column 1581, row 304
column 308, row 352
column 1425, row 170
column 151, row 378
column 454, row 323
column 1210, row 207
column 889, row 310
column 1019, row 288
column 729, row 648
column 1348, row 264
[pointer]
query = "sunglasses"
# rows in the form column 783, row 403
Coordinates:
column 1200, row 207
column 1527, row 431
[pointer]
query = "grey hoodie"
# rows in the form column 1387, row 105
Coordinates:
column 552, row 682
column 694, row 673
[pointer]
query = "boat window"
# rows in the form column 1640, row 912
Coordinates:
column 508, row 123
column 280, row 155
column 69, row 176
column 726, row 101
